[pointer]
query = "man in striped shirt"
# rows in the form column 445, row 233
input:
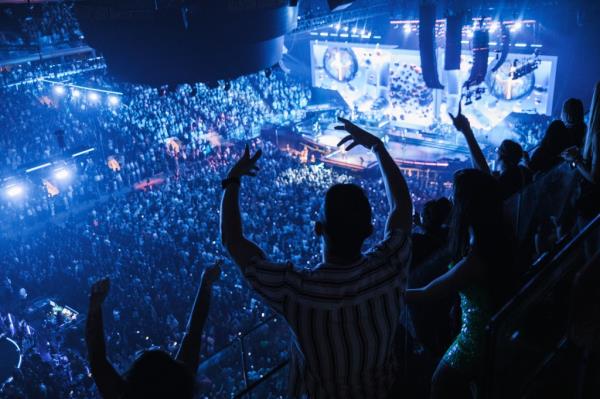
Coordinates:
column 343, row 314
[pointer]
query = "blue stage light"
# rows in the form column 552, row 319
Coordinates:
column 14, row 190
column 59, row 90
column 113, row 100
column 61, row 174
column 93, row 96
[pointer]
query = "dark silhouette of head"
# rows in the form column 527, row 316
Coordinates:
column 477, row 214
column 435, row 214
column 510, row 153
column 345, row 220
column 155, row 374
column 572, row 112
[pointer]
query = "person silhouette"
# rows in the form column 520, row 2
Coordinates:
column 154, row 373
column 344, row 313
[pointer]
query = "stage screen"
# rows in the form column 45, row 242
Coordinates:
column 386, row 83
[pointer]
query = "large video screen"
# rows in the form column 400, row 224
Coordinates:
column 387, row 83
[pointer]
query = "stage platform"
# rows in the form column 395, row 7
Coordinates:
column 406, row 155
column 409, row 150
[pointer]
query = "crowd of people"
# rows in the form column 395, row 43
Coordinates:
column 143, row 210
column 40, row 25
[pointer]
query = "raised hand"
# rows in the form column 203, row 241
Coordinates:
column 358, row 136
column 246, row 165
column 213, row 273
column 461, row 123
column 99, row 292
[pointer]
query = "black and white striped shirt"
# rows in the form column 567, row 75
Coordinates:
column 343, row 319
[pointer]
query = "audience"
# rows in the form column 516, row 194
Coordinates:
column 345, row 308
column 560, row 135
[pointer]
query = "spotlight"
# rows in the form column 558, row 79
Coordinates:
column 93, row 96
column 113, row 100
column 59, row 90
column 354, row 30
column 61, row 174
column 14, row 190
column 493, row 27
column 470, row 34
column 517, row 26
column 407, row 28
column 75, row 93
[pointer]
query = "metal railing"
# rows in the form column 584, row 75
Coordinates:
column 252, row 358
column 531, row 329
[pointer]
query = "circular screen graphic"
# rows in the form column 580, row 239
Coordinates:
column 340, row 63
column 504, row 87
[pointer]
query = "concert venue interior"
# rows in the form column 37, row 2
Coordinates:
column 300, row 199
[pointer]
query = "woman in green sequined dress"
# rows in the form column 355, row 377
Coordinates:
column 481, row 274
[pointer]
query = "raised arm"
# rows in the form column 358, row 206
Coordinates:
column 462, row 124
column 189, row 350
column 455, row 279
column 400, row 202
column 108, row 381
column 239, row 247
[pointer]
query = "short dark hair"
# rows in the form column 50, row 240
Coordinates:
column 346, row 214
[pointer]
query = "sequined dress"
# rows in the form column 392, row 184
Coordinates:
column 466, row 354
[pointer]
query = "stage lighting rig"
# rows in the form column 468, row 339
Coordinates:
column 473, row 95
column 528, row 67
column 468, row 98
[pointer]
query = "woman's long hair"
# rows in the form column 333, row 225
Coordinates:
column 478, row 205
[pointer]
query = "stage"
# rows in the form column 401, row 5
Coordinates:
column 410, row 149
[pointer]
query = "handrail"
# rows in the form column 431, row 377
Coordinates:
column 536, row 282
column 239, row 337
column 265, row 377
column 501, row 315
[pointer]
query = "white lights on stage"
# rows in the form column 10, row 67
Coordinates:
column 93, row 96
column 354, row 30
column 407, row 28
column 75, row 93
column 338, row 26
column 470, row 34
column 493, row 27
column 113, row 100
column 14, row 190
column 59, row 90
column 517, row 26
column 61, row 174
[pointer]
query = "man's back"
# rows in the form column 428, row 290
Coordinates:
column 344, row 319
